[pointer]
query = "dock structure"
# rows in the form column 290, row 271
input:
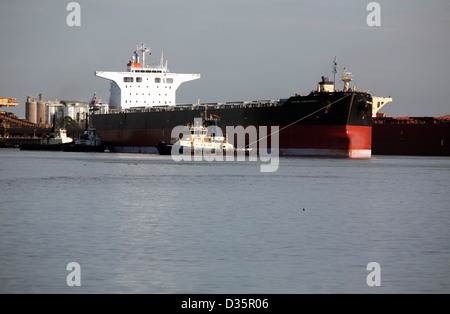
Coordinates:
column 15, row 131
column 7, row 102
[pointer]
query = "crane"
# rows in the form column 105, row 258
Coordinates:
column 8, row 102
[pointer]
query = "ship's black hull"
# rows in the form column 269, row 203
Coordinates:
column 337, row 123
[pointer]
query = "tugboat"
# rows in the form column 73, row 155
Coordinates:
column 199, row 141
column 55, row 141
column 88, row 142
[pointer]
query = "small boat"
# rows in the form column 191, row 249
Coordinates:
column 55, row 141
column 201, row 140
column 88, row 142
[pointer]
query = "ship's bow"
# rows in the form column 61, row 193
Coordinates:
column 337, row 124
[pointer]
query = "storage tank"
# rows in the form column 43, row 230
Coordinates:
column 40, row 110
column 31, row 110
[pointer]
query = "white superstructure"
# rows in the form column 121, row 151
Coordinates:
column 378, row 103
column 142, row 85
column 57, row 137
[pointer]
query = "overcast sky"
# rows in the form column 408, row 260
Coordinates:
column 243, row 49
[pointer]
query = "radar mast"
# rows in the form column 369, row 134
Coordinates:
column 143, row 49
column 335, row 67
column 346, row 77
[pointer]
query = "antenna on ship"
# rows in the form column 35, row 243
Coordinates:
column 335, row 67
column 347, row 77
column 143, row 50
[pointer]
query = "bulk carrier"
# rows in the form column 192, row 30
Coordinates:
column 325, row 122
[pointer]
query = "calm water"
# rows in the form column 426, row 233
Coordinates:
column 146, row 224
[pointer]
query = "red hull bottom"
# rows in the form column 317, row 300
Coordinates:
column 329, row 141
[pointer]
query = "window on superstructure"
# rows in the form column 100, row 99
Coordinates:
column 128, row 79
column 169, row 80
column 157, row 80
column 138, row 79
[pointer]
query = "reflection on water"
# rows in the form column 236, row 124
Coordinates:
column 143, row 223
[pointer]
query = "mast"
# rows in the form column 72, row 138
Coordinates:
column 143, row 50
column 335, row 67
column 346, row 78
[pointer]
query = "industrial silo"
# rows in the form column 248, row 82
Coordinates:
column 40, row 110
column 31, row 110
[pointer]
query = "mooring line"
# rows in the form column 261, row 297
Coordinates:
column 279, row 130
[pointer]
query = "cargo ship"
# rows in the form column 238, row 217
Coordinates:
column 143, row 112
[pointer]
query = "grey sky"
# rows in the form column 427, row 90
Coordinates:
column 244, row 49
